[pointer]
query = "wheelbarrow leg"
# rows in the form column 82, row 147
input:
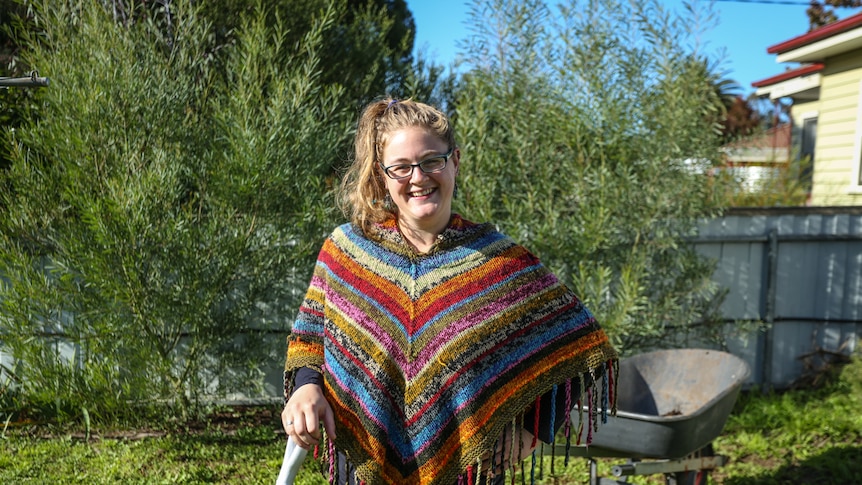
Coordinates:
column 699, row 476
column 595, row 479
column 696, row 477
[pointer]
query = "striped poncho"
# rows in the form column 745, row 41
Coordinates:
column 427, row 358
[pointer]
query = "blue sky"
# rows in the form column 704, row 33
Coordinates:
column 744, row 30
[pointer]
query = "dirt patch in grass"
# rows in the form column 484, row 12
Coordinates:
column 224, row 420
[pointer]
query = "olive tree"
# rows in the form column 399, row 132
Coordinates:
column 151, row 221
column 588, row 134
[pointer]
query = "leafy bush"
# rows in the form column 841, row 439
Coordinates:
column 587, row 133
column 159, row 221
column 153, row 218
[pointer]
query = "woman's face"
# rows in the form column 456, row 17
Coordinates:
column 424, row 200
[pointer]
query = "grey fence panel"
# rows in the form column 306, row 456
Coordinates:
column 749, row 347
column 798, row 270
column 791, row 340
column 852, row 304
column 739, row 268
column 796, row 282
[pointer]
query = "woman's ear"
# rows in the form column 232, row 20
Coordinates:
column 456, row 159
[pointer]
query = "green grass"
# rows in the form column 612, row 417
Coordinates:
column 797, row 437
column 241, row 446
column 812, row 436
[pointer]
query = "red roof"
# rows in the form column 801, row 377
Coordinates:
column 776, row 137
column 824, row 32
column 789, row 74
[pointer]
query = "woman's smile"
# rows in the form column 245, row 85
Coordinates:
column 422, row 192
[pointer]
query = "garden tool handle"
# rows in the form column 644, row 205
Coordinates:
column 293, row 458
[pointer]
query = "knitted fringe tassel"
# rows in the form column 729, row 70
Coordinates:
column 567, row 431
column 599, row 401
column 593, row 396
column 512, row 449
column 582, row 398
column 332, row 457
column 537, row 407
column 521, row 447
column 552, row 425
column 288, row 386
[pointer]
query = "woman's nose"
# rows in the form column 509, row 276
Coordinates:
column 418, row 175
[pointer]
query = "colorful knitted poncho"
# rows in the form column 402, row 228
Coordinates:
column 427, row 358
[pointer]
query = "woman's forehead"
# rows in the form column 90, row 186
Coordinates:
column 412, row 142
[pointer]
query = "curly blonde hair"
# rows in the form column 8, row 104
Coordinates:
column 363, row 190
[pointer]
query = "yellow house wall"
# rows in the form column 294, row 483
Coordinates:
column 800, row 109
column 838, row 131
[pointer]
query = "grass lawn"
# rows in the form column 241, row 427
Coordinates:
column 795, row 437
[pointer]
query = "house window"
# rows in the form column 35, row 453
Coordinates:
column 857, row 149
column 856, row 181
column 808, row 139
column 858, row 158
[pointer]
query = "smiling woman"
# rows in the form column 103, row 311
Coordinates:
column 433, row 349
column 393, row 133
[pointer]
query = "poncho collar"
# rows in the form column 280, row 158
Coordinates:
column 389, row 235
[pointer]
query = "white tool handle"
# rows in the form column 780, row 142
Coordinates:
column 293, row 458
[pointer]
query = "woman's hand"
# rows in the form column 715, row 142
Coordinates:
column 303, row 413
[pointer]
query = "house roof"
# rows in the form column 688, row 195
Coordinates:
column 789, row 74
column 770, row 147
column 810, row 49
column 824, row 32
column 815, row 46
column 802, row 83
column 776, row 137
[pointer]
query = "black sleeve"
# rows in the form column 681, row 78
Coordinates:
column 552, row 414
column 306, row 375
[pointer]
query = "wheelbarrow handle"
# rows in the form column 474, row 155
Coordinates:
column 23, row 82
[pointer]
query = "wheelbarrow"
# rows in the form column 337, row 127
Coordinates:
column 671, row 405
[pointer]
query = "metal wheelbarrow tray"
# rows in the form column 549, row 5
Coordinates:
column 670, row 403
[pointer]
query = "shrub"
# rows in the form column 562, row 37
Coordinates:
column 587, row 133
column 152, row 220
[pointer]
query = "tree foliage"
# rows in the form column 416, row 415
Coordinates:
column 587, row 132
column 368, row 49
column 819, row 13
column 159, row 218
column 740, row 120
column 159, row 222
column 16, row 104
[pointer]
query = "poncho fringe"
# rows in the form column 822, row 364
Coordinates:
column 430, row 360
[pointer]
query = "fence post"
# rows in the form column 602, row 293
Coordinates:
column 769, row 318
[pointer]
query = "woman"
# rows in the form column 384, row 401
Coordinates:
column 425, row 339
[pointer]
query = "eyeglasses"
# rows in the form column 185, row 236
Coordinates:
column 429, row 165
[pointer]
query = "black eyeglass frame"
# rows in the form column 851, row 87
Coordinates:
column 413, row 166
